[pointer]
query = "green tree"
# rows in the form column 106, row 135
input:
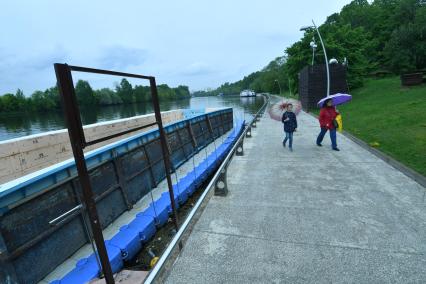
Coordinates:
column 10, row 103
column 165, row 93
column 405, row 51
column 125, row 91
column 107, row 96
column 21, row 101
column 400, row 50
column 141, row 93
column 45, row 101
column 84, row 93
column 182, row 92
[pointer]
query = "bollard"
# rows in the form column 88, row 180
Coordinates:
column 221, row 186
column 253, row 124
column 248, row 133
column 240, row 149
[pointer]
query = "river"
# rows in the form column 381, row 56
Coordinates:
column 23, row 124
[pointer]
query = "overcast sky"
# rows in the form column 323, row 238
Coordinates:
column 189, row 42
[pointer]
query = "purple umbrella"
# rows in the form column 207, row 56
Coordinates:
column 337, row 99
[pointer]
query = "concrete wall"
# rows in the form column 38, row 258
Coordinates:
column 19, row 157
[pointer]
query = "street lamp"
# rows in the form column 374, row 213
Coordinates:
column 279, row 86
column 313, row 46
column 325, row 53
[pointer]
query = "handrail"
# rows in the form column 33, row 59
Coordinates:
column 177, row 238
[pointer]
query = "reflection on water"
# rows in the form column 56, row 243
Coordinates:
column 19, row 125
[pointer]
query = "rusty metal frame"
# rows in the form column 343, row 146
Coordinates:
column 78, row 143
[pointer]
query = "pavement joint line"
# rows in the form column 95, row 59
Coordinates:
column 311, row 244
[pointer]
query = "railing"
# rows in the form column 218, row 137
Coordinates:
column 219, row 183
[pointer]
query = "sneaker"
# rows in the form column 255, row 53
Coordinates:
column 319, row 144
column 291, row 149
column 284, row 144
column 336, row 149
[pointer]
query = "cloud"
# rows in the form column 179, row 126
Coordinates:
column 32, row 62
column 197, row 69
column 121, row 57
column 180, row 47
column 29, row 71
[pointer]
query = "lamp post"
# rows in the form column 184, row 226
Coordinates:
column 313, row 46
column 278, row 85
column 325, row 53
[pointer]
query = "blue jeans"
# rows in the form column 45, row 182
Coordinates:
column 332, row 137
column 289, row 137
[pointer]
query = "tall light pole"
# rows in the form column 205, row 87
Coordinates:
column 278, row 85
column 313, row 46
column 325, row 53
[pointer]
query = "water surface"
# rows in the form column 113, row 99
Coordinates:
column 23, row 124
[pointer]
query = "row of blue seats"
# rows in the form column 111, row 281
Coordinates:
column 131, row 237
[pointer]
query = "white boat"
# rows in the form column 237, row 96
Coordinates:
column 247, row 93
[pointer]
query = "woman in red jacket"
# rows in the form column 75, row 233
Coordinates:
column 327, row 114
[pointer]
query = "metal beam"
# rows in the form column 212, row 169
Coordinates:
column 163, row 139
column 76, row 134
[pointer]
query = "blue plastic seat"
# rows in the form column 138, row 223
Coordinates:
column 188, row 182
column 211, row 163
column 165, row 199
column 222, row 149
column 229, row 140
column 85, row 270
column 181, row 190
column 196, row 174
column 128, row 241
column 145, row 226
column 202, row 171
column 159, row 211
column 114, row 255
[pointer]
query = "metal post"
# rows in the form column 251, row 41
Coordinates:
column 248, row 133
column 240, row 148
column 76, row 134
column 221, row 185
column 156, row 105
column 326, row 59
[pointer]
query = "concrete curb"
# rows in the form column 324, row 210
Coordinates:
column 419, row 178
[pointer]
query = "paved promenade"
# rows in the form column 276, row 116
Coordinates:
column 308, row 216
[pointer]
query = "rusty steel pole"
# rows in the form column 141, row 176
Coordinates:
column 76, row 134
column 163, row 139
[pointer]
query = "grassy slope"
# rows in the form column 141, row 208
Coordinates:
column 382, row 111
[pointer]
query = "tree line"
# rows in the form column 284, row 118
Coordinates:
column 124, row 93
column 381, row 36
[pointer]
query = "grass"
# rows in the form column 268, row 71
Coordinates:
column 391, row 118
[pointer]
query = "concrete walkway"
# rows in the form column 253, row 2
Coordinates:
column 310, row 216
